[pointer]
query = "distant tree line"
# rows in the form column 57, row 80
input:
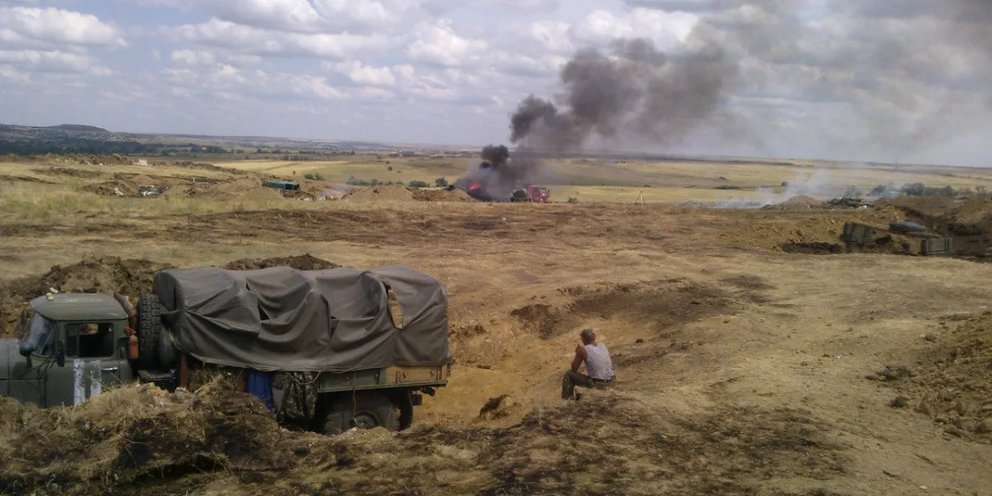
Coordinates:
column 91, row 146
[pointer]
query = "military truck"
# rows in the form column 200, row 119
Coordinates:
column 903, row 236
column 334, row 348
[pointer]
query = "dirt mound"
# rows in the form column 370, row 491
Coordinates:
column 65, row 171
column 114, row 159
column 806, row 231
column 104, row 275
column 380, row 193
column 4, row 178
column 133, row 434
column 928, row 206
column 541, row 319
column 664, row 303
column 800, row 202
column 969, row 220
column 205, row 166
column 124, row 184
column 299, row 262
column 138, row 439
column 954, row 386
column 442, row 195
column 235, row 188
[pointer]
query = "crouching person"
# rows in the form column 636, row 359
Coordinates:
column 598, row 366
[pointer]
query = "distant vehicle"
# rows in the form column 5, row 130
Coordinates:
column 339, row 347
column 531, row 193
column 283, row 185
column 149, row 191
column 913, row 238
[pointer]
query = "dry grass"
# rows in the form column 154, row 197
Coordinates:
column 402, row 169
column 699, row 408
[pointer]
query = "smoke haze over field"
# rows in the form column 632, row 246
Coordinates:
column 634, row 94
column 871, row 80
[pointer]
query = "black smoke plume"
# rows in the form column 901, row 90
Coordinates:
column 634, row 93
column 497, row 176
column 495, row 155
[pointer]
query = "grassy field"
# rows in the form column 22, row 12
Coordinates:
column 402, row 169
column 53, row 195
column 741, row 366
column 593, row 179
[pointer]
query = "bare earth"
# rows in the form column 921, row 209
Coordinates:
column 742, row 368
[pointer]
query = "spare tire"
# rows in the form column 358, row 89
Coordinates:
column 149, row 332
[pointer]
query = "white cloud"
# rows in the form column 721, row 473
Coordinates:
column 314, row 86
column 280, row 14
column 439, row 44
column 552, row 35
column 193, row 57
column 312, row 16
column 27, row 26
column 361, row 73
column 241, row 59
column 374, row 94
column 256, row 41
column 11, row 74
column 228, row 75
column 665, row 29
column 351, row 12
column 53, row 61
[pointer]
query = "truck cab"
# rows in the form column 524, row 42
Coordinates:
column 71, row 346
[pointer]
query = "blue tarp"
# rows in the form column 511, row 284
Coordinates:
column 260, row 385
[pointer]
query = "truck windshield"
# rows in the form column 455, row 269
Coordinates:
column 89, row 340
column 40, row 337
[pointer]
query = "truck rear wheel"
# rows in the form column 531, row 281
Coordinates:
column 149, row 331
column 362, row 409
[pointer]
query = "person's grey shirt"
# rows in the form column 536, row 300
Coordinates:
column 598, row 362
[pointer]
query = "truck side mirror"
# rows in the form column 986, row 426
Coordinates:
column 22, row 324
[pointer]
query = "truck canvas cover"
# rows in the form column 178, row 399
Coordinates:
column 281, row 318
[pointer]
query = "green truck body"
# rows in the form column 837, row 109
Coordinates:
column 75, row 346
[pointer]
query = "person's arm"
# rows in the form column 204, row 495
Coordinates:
column 580, row 356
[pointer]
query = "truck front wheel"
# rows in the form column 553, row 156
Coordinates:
column 361, row 409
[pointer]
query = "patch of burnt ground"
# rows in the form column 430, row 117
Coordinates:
column 664, row 303
column 134, row 439
column 953, row 386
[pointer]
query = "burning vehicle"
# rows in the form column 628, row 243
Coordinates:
column 499, row 179
column 531, row 193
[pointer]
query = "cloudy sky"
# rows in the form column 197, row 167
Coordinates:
column 885, row 80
